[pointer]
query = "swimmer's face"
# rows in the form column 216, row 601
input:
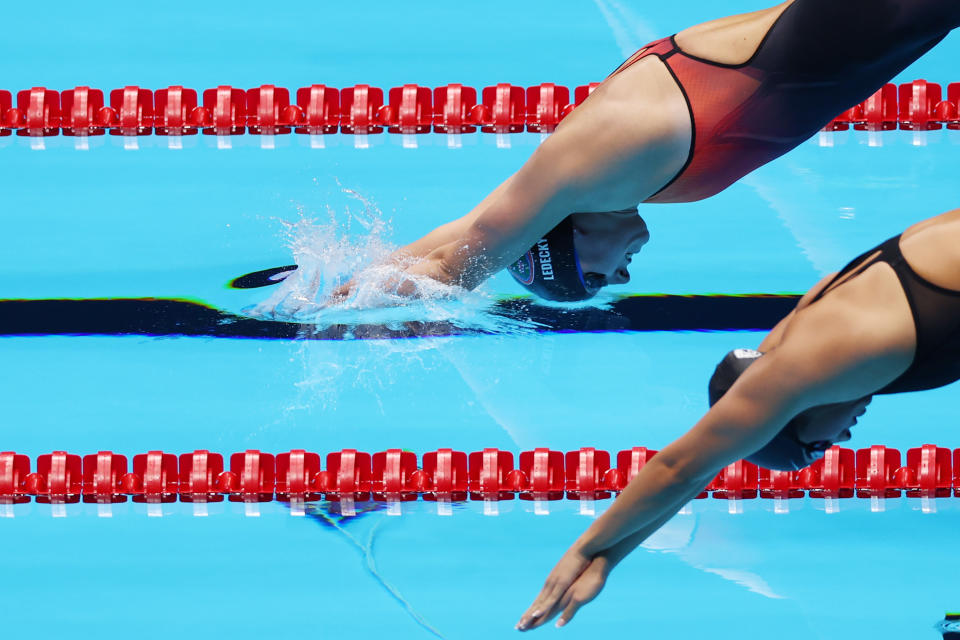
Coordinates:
column 606, row 243
column 830, row 422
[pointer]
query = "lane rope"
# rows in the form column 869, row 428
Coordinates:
column 445, row 475
column 319, row 110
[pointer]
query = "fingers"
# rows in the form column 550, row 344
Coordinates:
column 567, row 602
column 567, row 606
column 543, row 609
column 553, row 597
column 570, row 610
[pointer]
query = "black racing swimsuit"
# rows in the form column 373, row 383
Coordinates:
column 936, row 316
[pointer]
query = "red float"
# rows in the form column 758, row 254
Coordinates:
column 348, row 475
column 14, row 469
column 833, row 476
column 544, row 470
column 455, row 109
column 269, row 110
column 252, row 478
column 83, row 113
column 157, row 472
column 779, row 484
column 876, row 468
column 361, row 110
column 446, row 475
column 37, row 113
column 547, row 104
column 929, row 471
column 392, row 475
column 948, row 111
column 200, row 473
column 918, row 105
column 502, row 109
column 410, row 110
column 176, row 112
column 131, row 112
column 879, row 111
column 60, row 477
column 298, row 475
column 320, row 105
column 586, row 470
column 489, row 470
column 103, row 474
column 956, row 472
column 224, row 111
column 9, row 117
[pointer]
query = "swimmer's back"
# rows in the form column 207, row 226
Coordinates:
column 759, row 84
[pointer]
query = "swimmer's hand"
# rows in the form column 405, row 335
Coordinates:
column 576, row 580
column 421, row 279
column 341, row 293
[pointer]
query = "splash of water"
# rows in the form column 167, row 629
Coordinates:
column 328, row 254
column 354, row 242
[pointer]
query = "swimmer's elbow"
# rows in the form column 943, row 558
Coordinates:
column 451, row 265
column 448, row 273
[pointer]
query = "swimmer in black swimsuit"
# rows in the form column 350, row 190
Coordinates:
column 889, row 322
column 680, row 120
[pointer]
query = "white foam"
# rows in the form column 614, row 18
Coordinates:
column 354, row 245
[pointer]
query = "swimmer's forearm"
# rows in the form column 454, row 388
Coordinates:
column 654, row 496
column 449, row 232
column 506, row 223
column 747, row 417
column 614, row 554
column 473, row 257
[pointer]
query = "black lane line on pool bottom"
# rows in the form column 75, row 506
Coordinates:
column 172, row 317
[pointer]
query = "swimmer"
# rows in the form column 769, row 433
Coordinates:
column 888, row 322
column 680, row 120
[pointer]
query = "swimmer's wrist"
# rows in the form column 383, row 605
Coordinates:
column 588, row 546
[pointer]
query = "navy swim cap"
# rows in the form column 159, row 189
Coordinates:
column 785, row 452
column 551, row 268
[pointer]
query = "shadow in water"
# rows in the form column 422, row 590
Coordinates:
column 174, row 317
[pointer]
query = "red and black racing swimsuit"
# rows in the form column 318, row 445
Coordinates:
column 819, row 58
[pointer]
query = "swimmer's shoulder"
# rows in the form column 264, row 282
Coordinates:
column 729, row 40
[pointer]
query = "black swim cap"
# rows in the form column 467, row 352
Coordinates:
column 785, row 452
column 551, row 268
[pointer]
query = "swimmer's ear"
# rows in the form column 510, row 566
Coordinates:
column 264, row 278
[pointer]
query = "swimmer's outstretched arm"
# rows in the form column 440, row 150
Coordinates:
column 822, row 359
column 596, row 160
column 730, row 431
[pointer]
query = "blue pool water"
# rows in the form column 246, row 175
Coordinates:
column 162, row 223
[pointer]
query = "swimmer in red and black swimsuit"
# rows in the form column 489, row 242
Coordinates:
column 680, row 120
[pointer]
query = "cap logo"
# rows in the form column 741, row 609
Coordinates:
column 522, row 269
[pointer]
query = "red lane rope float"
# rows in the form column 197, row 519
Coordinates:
column 408, row 109
column 394, row 476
